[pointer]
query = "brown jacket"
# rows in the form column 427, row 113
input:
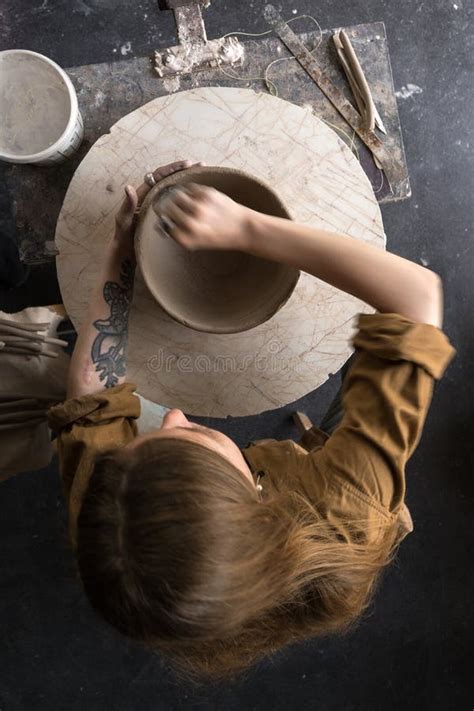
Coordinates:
column 356, row 474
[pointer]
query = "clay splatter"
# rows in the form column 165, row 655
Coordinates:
column 172, row 84
column 126, row 48
column 81, row 7
column 99, row 98
column 407, row 91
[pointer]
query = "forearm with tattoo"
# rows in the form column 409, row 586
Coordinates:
column 109, row 349
column 100, row 355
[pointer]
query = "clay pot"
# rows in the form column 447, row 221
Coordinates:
column 215, row 291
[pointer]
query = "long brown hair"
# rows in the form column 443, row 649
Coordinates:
column 176, row 549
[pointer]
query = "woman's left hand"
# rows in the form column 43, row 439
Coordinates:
column 127, row 213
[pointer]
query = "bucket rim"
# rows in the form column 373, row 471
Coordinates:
column 73, row 113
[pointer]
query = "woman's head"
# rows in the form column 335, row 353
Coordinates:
column 177, row 426
column 177, row 549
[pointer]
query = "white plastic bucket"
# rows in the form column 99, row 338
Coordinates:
column 40, row 120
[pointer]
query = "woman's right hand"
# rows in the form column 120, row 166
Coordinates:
column 204, row 218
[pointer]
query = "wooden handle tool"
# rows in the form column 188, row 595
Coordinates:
column 30, row 335
column 28, row 350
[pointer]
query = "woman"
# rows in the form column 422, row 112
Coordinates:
column 217, row 556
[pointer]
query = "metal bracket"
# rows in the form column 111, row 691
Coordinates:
column 194, row 52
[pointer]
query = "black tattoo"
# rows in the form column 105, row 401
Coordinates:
column 109, row 349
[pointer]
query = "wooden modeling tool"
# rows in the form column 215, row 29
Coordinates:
column 357, row 81
column 25, row 339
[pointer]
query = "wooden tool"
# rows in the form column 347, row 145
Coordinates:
column 13, row 330
column 357, row 81
column 28, row 350
column 25, row 339
column 24, row 325
column 302, row 421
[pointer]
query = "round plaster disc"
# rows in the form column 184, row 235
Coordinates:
column 320, row 182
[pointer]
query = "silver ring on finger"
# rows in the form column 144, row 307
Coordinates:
column 166, row 225
column 149, row 179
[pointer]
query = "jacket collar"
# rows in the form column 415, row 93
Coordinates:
column 256, row 455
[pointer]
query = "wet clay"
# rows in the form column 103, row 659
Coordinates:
column 213, row 291
column 35, row 105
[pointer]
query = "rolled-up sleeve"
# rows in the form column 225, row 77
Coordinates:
column 86, row 427
column 386, row 396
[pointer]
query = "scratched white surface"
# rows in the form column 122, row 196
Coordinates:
column 320, row 182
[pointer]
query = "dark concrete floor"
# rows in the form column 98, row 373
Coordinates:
column 415, row 648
